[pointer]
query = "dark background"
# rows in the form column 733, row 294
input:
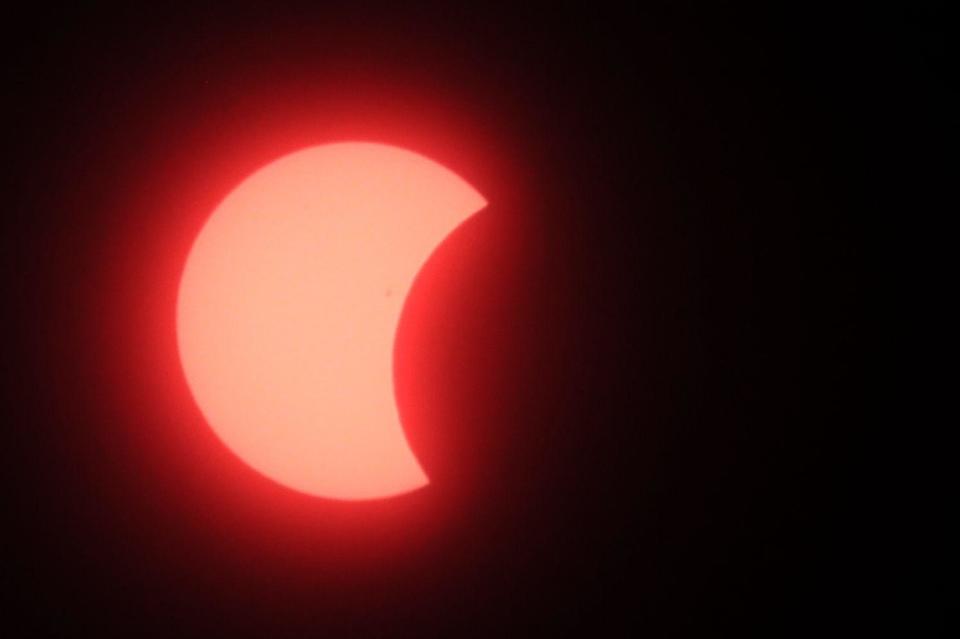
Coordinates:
column 632, row 379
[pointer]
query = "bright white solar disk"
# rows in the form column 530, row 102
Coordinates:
column 289, row 303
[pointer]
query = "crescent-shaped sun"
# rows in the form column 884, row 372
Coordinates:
column 288, row 305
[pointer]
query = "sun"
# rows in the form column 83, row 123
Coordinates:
column 289, row 303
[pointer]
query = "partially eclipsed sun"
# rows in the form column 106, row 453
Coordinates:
column 288, row 306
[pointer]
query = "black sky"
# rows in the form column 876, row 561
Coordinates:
column 647, row 354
